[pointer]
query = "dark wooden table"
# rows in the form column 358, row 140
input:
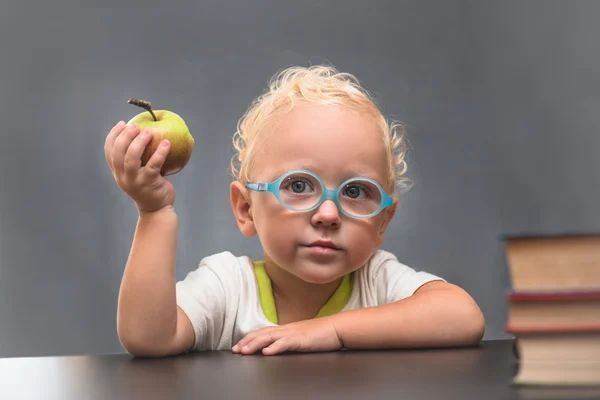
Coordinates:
column 482, row 373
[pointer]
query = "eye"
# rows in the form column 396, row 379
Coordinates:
column 298, row 185
column 356, row 191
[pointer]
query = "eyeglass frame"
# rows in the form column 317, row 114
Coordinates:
column 327, row 194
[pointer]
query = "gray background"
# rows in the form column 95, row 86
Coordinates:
column 500, row 99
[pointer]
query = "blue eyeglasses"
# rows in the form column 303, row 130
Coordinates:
column 301, row 191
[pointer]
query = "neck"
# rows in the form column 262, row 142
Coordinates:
column 294, row 298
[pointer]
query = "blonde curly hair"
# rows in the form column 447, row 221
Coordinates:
column 317, row 85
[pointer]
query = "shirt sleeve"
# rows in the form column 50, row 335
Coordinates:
column 396, row 281
column 204, row 295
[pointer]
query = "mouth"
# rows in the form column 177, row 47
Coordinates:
column 324, row 243
column 324, row 247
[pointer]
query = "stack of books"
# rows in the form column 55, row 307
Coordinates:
column 554, row 308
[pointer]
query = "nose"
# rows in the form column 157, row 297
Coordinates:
column 327, row 214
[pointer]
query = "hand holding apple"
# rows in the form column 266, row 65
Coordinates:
column 164, row 125
column 123, row 148
column 140, row 154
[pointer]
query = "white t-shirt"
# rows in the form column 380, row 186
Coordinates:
column 221, row 297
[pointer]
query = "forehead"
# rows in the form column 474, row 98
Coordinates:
column 335, row 142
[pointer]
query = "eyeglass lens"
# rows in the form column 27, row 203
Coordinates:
column 302, row 191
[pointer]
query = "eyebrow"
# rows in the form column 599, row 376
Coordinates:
column 311, row 167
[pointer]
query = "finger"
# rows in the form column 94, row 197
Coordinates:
column 244, row 341
column 251, row 336
column 122, row 142
column 133, row 155
column 260, row 342
column 110, row 141
column 157, row 159
column 279, row 346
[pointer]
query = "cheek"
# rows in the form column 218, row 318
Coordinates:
column 377, row 222
column 367, row 228
column 362, row 235
column 275, row 225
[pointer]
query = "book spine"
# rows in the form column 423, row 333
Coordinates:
column 524, row 329
column 553, row 296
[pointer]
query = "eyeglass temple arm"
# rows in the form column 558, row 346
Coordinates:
column 261, row 187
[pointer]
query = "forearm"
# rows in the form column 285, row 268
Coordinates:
column 438, row 317
column 147, row 311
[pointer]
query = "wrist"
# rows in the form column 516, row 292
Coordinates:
column 161, row 213
column 337, row 322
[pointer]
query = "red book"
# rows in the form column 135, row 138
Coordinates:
column 553, row 311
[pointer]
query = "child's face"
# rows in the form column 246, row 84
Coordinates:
column 336, row 144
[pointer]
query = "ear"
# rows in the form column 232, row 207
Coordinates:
column 389, row 214
column 241, row 207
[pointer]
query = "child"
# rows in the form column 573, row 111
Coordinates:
column 316, row 172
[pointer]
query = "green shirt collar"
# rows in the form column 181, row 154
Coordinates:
column 334, row 305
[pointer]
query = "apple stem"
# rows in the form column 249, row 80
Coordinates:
column 144, row 104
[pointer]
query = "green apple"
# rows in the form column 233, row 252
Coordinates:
column 164, row 124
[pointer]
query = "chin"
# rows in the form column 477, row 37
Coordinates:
column 312, row 270
column 321, row 277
